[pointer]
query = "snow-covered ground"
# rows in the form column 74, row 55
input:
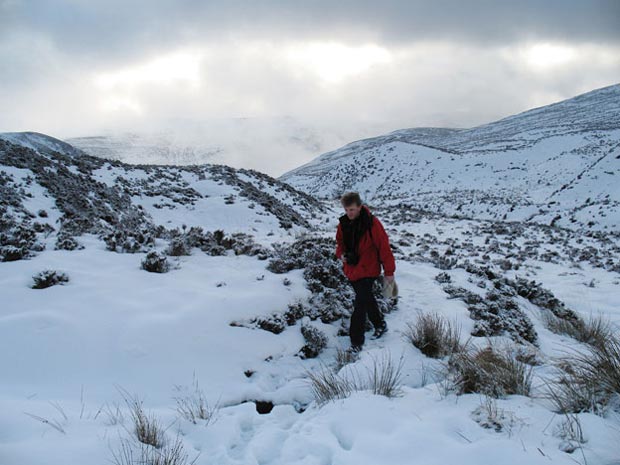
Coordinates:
column 73, row 354
column 69, row 350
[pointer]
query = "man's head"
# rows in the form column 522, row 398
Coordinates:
column 352, row 204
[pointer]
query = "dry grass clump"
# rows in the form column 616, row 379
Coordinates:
column 594, row 331
column 494, row 371
column 146, row 443
column 383, row 378
column 434, row 335
column 192, row 403
column 131, row 453
column 589, row 379
column 146, row 428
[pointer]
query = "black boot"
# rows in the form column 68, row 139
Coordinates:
column 379, row 331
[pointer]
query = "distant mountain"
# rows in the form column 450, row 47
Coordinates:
column 135, row 148
column 52, row 191
column 40, row 142
column 264, row 144
column 558, row 164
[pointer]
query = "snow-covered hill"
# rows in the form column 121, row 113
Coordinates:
column 60, row 191
column 558, row 164
column 213, row 342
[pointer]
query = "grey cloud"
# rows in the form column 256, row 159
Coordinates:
column 448, row 67
column 122, row 30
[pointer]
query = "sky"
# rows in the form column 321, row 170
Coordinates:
column 347, row 69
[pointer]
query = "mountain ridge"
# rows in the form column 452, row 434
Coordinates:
column 553, row 164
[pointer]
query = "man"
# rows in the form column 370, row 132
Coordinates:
column 363, row 246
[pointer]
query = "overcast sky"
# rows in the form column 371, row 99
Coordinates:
column 82, row 67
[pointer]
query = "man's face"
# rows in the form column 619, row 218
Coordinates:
column 352, row 211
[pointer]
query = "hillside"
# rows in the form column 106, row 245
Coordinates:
column 60, row 192
column 207, row 302
column 557, row 164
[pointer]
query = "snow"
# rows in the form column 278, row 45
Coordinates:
column 555, row 163
column 212, row 209
column 39, row 199
column 69, row 348
column 72, row 352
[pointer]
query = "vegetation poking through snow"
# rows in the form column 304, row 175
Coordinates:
column 588, row 379
column 434, row 335
column 48, row 278
column 491, row 370
column 332, row 295
column 155, row 262
column 383, row 377
column 192, row 403
column 316, row 341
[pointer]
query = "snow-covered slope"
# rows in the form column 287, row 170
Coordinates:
column 557, row 164
column 41, row 143
column 242, row 319
column 78, row 193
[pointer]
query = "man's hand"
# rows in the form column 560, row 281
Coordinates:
column 389, row 279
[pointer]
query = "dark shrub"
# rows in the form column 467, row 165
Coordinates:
column 178, row 246
column 47, row 278
column 274, row 323
column 10, row 253
column 316, row 341
column 332, row 295
column 17, row 240
column 155, row 262
column 66, row 242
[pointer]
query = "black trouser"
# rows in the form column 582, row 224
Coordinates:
column 365, row 304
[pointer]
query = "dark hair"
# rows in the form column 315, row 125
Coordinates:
column 350, row 198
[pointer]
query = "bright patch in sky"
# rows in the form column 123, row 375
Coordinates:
column 544, row 56
column 117, row 88
column 180, row 66
column 334, row 62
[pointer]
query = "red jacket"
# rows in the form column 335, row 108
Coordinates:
column 373, row 252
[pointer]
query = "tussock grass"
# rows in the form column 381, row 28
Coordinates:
column 589, row 379
column 382, row 378
column 328, row 385
column 192, row 403
column 434, row 335
column 571, row 433
column 146, row 428
column 56, row 423
column 146, row 443
column 385, row 376
column 137, row 453
column 114, row 414
column 594, row 331
column 492, row 370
